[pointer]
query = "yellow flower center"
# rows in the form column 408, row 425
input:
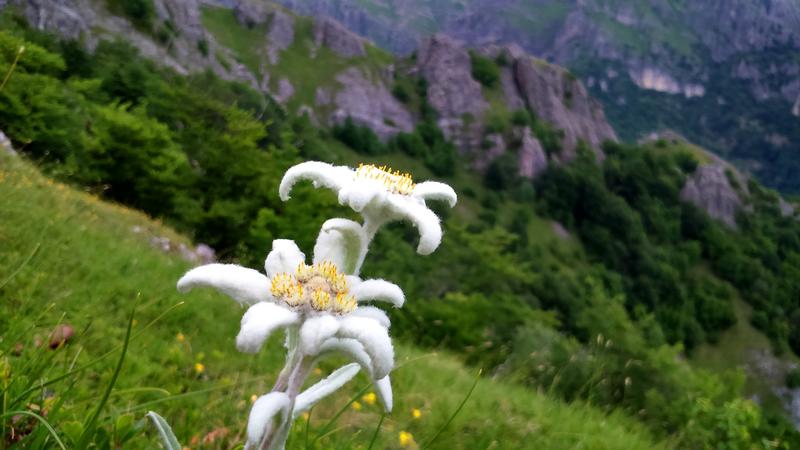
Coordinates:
column 394, row 181
column 320, row 287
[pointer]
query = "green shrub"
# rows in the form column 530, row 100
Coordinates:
column 484, row 70
column 141, row 12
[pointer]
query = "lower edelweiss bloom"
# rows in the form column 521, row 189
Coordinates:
column 380, row 195
column 317, row 305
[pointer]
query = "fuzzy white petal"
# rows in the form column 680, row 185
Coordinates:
column 315, row 331
column 342, row 242
column 246, row 286
column 375, row 339
column 359, row 194
column 320, row 173
column 383, row 388
column 262, row 413
column 378, row 290
column 259, row 322
column 433, row 190
column 350, row 348
column 324, row 388
column 427, row 223
column 284, row 257
column 355, row 351
column 373, row 313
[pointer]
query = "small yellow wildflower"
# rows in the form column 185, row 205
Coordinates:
column 199, row 367
column 369, row 398
column 317, row 371
column 406, row 439
column 306, row 416
column 416, row 413
column 356, row 405
column 180, row 337
column 253, row 398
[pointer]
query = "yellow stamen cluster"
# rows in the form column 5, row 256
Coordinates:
column 394, row 181
column 320, row 287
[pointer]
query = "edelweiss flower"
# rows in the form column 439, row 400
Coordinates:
column 380, row 195
column 317, row 304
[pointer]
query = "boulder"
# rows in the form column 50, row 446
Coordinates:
column 368, row 103
column 333, row 35
column 5, row 144
column 710, row 190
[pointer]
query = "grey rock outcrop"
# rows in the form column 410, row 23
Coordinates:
column 557, row 97
column 280, row 35
column 368, row 103
column 532, row 158
column 333, row 35
column 452, row 91
column 60, row 15
column 251, row 12
column 710, row 190
column 285, row 90
column 5, row 144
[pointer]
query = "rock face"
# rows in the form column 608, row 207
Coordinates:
column 710, row 190
column 532, row 157
column 61, row 15
column 5, row 144
column 556, row 96
column 368, row 103
column 251, row 12
column 280, row 35
column 332, row 34
column 452, row 91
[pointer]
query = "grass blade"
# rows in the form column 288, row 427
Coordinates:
column 333, row 420
column 377, row 430
column 41, row 420
column 455, row 413
column 88, row 428
column 167, row 436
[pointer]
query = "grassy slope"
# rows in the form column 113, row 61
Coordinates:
column 88, row 266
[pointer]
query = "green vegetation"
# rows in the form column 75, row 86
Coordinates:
column 484, row 70
column 599, row 319
column 140, row 12
column 74, row 259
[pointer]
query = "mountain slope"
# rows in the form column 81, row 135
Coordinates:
column 724, row 73
column 71, row 258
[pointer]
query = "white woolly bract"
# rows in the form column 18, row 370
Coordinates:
column 350, row 348
column 374, row 338
column 246, row 286
column 315, row 331
column 358, row 194
column 373, row 313
column 284, row 257
column 321, row 174
column 324, row 388
column 378, row 290
column 262, row 414
column 433, row 190
column 342, row 242
column 259, row 322
column 426, row 222
column 383, row 388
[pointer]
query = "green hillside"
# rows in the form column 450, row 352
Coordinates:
column 68, row 257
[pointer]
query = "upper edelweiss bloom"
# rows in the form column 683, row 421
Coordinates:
column 317, row 304
column 380, row 195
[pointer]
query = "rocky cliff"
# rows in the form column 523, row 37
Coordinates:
column 720, row 71
column 275, row 50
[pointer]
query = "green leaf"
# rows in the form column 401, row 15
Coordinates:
column 165, row 431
